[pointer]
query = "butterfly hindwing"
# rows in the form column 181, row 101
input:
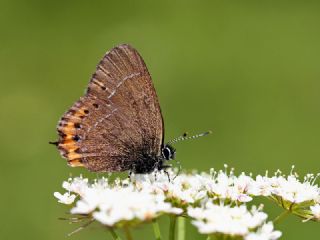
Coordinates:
column 118, row 121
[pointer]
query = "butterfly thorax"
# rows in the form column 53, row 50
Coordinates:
column 147, row 164
column 145, row 160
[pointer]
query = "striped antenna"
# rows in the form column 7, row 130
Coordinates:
column 185, row 136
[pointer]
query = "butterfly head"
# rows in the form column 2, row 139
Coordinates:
column 168, row 152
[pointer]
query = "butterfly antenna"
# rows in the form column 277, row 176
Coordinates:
column 179, row 170
column 185, row 136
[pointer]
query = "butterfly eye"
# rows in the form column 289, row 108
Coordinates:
column 77, row 125
column 167, row 152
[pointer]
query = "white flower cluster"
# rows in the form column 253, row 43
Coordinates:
column 235, row 221
column 207, row 198
column 113, row 204
column 301, row 198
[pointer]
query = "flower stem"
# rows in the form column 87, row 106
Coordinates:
column 172, row 229
column 279, row 218
column 114, row 234
column 127, row 233
column 156, row 230
column 181, row 228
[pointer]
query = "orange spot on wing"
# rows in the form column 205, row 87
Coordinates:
column 68, row 130
column 68, row 135
column 73, row 155
column 75, row 163
column 81, row 112
column 68, row 139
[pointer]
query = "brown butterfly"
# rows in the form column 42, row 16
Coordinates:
column 117, row 125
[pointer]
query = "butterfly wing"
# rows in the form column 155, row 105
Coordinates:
column 119, row 118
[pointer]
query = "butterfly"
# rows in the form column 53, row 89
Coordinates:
column 117, row 125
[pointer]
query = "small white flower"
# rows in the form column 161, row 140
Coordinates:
column 264, row 233
column 217, row 219
column 230, row 187
column 261, row 187
column 77, row 185
column 185, row 188
column 316, row 211
column 66, row 198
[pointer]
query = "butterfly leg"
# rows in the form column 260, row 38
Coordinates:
column 164, row 167
column 179, row 170
column 167, row 175
column 155, row 175
column 130, row 174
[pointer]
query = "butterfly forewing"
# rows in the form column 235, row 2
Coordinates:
column 118, row 120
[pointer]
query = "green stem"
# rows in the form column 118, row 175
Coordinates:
column 181, row 228
column 172, row 229
column 114, row 234
column 127, row 233
column 156, row 230
column 278, row 219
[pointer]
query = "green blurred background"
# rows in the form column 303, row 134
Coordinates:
column 248, row 70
